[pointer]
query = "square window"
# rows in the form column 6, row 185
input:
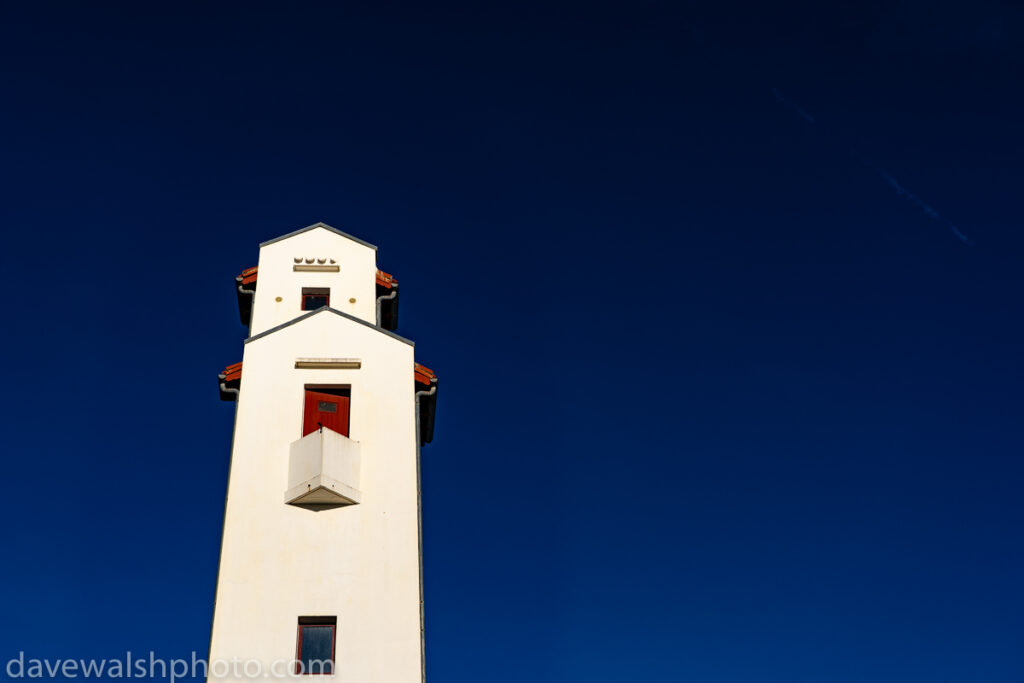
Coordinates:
column 315, row 652
column 315, row 297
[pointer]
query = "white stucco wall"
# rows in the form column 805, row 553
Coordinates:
column 359, row 563
column 356, row 278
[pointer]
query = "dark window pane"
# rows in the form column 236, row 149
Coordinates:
column 317, row 649
column 314, row 301
column 327, row 407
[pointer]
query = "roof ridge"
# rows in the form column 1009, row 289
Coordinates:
column 316, row 225
column 291, row 322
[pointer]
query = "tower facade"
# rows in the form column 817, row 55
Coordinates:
column 320, row 567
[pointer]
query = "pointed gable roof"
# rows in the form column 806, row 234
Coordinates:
column 314, row 227
column 328, row 309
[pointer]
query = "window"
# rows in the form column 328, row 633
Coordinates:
column 326, row 406
column 315, row 651
column 315, row 297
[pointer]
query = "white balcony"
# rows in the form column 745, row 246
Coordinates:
column 323, row 471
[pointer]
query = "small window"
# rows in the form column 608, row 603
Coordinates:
column 315, row 651
column 315, row 297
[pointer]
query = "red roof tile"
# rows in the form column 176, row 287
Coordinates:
column 248, row 276
column 423, row 374
column 232, row 372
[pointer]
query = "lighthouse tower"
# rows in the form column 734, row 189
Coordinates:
column 320, row 566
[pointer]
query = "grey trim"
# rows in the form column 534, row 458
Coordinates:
column 337, row 312
column 313, row 227
column 223, row 532
column 251, row 293
column 381, row 299
column 224, row 389
column 419, row 535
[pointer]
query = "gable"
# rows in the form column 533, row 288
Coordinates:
column 327, row 311
column 319, row 226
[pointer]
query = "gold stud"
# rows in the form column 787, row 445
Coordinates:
column 352, row 300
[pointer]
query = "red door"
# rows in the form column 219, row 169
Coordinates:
column 328, row 410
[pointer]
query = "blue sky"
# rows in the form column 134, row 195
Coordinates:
column 717, row 401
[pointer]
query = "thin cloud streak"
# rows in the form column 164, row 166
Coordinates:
column 882, row 173
column 921, row 204
column 786, row 102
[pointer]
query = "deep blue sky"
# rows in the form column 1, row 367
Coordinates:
column 718, row 403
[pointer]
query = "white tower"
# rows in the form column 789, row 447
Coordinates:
column 320, row 566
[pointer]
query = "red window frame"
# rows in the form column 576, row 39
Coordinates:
column 321, row 622
column 315, row 292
